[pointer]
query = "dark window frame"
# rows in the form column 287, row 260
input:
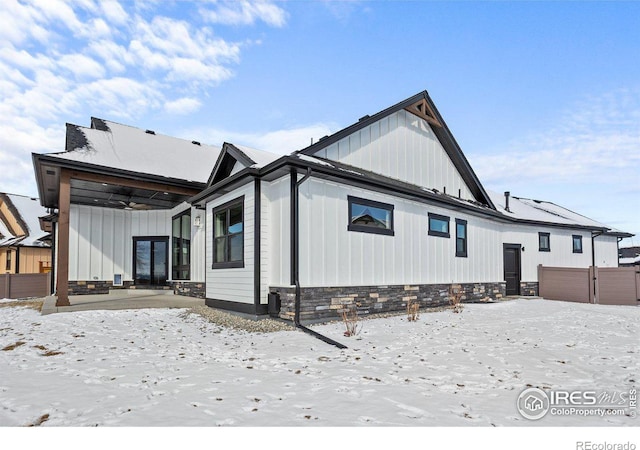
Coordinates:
column 541, row 248
column 176, row 269
column 8, row 260
column 442, row 218
column 373, row 204
column 462, row 253
column 575, row 239
column 216, row 210
column 151, row 239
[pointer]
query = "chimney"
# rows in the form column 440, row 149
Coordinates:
column 507, row 194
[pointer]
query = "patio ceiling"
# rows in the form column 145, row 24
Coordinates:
column 108, row 195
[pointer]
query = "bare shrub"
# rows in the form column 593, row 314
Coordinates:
column 455, row 297
column 413, row 310
column 351, row 321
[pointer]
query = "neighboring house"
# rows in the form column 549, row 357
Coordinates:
column 384, row 211
column 24, row 247
column 629, row 256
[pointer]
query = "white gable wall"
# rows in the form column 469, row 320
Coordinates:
column 401, row 146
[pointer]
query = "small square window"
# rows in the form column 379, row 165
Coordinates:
column 461, row 238
column 438, row 225
column 544, row 242
column 368, row 216
column 577, row 243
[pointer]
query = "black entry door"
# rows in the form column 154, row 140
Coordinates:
column 150, row 260
column 512, row 268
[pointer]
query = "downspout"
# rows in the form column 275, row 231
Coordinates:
column 594, row 235
column 295, row 253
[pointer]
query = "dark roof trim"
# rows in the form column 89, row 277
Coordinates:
column 16, row 215
column 226, row 160
column 357, row 177
column 442, row 132
column 40, row 158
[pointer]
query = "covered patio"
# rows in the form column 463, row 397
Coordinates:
column 122, row 299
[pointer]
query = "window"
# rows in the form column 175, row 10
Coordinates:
column 8, row 268
column 228, row 235
column 544, row 242
column 577, row 243
column 461, row 238
column 181, row 246
column 368, row 216
column 438, row 225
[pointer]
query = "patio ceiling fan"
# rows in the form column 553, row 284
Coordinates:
column 133, row 205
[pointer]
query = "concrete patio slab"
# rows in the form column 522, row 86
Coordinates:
column 122, row 299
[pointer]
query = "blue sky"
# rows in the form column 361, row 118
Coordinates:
column 543, row 97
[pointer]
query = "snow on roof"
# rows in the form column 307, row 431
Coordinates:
column 630, row 261
column 128, row 148
column 261, row 157
column 542, row 211
column 30, row 210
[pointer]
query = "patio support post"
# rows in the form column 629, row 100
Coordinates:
column 62, row 269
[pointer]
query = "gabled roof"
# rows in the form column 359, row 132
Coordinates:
column 25, row 211
column 540, row 211
column 422, row 106
column 110, row 149
column 232, row 154
column 113, row 145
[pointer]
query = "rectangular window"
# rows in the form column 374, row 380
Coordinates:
column 228, row 235
column 181, row 246
column 461, row 238
column 368, row 216
column 544, row 242
column 438, row 225
column 577, row 243
column 8, row 268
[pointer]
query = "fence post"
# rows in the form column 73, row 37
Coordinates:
column 7, row 286
column 540, row 272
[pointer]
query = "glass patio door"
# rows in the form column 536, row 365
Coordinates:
column 150, row 260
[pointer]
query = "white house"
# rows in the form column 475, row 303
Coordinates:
column 384, row 211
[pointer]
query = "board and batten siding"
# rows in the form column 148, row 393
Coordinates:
column 276, row 237
column 561, row 244
column 401, row 146
column 330, row 255
column 233, row 284
column 101, row 240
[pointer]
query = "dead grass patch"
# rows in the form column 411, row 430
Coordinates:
column 13, row 346
column 42, row 419
column 33, row 304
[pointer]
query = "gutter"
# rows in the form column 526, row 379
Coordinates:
column 295, row 253
column 594, row 235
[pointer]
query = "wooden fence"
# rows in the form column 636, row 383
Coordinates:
column 25, row 285
column 603, row 285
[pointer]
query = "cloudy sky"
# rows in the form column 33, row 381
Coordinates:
column 543, row 97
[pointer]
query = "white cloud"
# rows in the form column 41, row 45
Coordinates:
column 596, row 138
column 81, row 66
column 113, row 12
column 182, row 106
column 247, row 13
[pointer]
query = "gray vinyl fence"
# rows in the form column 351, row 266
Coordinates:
column 613, row 285
column 25, row 285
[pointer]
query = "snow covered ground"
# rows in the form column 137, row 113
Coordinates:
column 161, row 367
